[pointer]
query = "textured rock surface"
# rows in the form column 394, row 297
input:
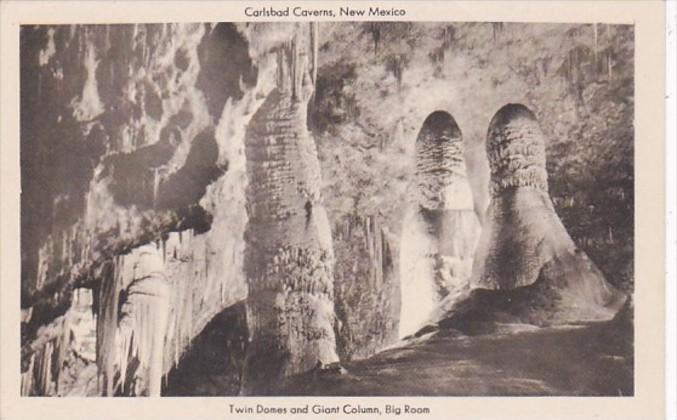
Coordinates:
column 212, row 366
column 366, row 285
column 133, row 135
column 135, row 149
column 139, row 329
column 367, row 309
column 62, row 361
column 289, row 258
column 524, row 251
column 440, row 231
column 150, row 148
column 592, row 360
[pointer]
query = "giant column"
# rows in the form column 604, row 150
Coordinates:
column 288, row 258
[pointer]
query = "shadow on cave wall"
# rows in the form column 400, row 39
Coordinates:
column 224, row 65
column 60, row 150
column 134, row 174
column 59, row 153
column 213, row 364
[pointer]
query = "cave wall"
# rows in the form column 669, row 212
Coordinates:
column 168, row 108
column 131, row 135
column 367, row 286
column 383, row 79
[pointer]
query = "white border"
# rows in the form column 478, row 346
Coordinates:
column 648, row 402
column 671, row 209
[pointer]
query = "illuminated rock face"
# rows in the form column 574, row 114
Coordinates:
column 524, row 248
column 288, row 258
column 440, row 231
column 132, row 324
column 143, row 323
column 130, row 135
column 121, row 138
column 62, row 360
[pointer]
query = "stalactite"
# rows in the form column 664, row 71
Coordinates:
column 131, row 323
column 608, row 50
column 375, row 30
column 58, row 346
column 143, row 323
column 314, row 42
column 27, row 382
column 106, row 324
column 156, row 186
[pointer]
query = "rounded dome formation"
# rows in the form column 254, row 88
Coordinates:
column 525, row 253
column 516, row 150
column 439, row 158
column 439, row 124
column 440, row 230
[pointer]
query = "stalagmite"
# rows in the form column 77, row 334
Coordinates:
column 524, row 251
column 288, row 258
column 440, row 231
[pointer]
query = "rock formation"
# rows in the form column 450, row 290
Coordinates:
column 62, row 360
column 366, row 285
column 440, row 231
column 131, row 343
column 527, row 268
column 289, row 258
column 212, row 365
column 148, row 150
column 167, row 175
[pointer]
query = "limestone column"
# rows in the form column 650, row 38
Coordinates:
column 288, row 258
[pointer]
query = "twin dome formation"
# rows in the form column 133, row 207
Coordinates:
column 523, row 266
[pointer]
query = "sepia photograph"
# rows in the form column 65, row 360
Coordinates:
column 365, row 208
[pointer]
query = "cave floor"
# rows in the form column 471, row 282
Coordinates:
column 514, row 359
column 584, row 360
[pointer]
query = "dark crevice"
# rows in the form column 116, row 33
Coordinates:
column 212, row 366
column 224, row 63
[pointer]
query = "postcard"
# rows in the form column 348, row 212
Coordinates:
column 254, row 210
